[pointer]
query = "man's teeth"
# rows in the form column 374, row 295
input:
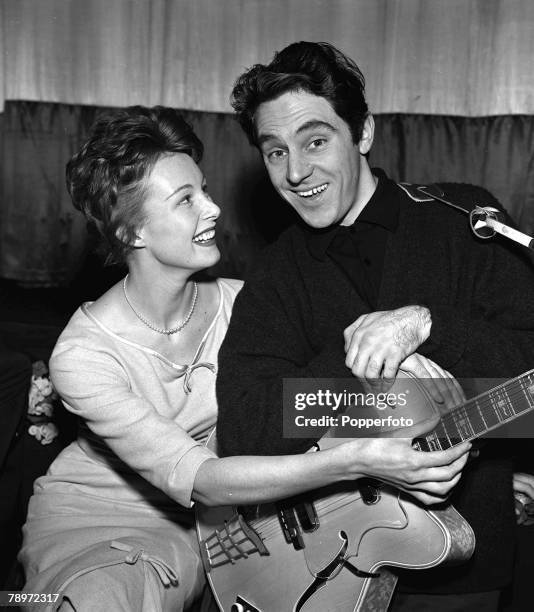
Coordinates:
column 205, row 236
column 314, row 191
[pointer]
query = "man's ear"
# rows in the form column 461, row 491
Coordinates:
column 368, row 133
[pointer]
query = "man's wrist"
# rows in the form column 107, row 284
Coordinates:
column 413, row 326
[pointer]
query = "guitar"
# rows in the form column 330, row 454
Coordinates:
column 330, row 549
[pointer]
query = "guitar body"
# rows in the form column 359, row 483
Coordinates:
column 341, row 563
column 394, row 531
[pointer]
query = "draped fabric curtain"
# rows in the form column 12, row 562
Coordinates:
column 43, row 238
column 494, row 152
column 446, row 57
column 449, row 81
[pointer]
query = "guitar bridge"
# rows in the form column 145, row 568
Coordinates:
column 236, row 540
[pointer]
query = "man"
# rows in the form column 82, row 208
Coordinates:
column 368, row 282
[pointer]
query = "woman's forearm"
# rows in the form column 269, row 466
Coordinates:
column 247, row 480
column 252, row 479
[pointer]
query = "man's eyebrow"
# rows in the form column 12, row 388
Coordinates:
column 313, row 124
column 263, row 138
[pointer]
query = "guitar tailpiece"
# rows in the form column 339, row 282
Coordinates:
column 360, row 573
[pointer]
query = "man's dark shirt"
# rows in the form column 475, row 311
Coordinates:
column 359, row 249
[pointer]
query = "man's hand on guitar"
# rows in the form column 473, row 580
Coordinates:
column 429, row 477
column 377, row 343
column 444, row 389
column 442, row 386
column 524, row 498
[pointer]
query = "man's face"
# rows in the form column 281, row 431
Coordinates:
column 311, row 158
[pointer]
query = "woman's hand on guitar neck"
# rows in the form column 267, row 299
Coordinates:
column 429, row 477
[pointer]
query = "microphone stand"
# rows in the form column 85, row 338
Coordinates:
column 485, row 221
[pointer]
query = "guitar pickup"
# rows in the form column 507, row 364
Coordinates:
column 290, row 527
column 307, row 516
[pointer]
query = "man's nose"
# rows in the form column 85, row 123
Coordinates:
column 298, row 169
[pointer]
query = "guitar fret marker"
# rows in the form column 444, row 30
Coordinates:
column 481, row 414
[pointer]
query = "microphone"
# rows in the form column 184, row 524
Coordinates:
column 487, row 221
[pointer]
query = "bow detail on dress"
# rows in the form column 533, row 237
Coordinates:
column 165, row 572
column 188, row 370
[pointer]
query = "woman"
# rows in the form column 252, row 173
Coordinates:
column 110, row 526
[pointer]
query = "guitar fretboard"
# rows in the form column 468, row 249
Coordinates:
column 482, row 414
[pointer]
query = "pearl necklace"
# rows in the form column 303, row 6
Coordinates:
column 162, row 330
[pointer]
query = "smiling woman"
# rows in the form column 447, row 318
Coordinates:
column 137, row 366
column 180, row 217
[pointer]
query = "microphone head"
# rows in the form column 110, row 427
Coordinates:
column 477, row 219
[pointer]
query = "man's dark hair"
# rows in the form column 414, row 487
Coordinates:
column 106, row 179
column 317, row 68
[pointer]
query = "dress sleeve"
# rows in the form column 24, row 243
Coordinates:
column 94, row 386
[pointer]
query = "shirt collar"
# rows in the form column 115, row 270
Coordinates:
column 382, row 209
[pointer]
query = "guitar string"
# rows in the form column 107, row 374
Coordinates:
column 451, row 419
column 270, row 526
column 322, row 509
column 268, row 534
column 266, row 525
column 512, row 390
column 484, row 402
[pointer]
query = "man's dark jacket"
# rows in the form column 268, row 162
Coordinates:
column 288, row 321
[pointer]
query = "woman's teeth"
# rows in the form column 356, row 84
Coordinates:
column 205, row 236
column 312, row 192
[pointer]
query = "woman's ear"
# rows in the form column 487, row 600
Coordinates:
column 137, row 242
column 368, row 133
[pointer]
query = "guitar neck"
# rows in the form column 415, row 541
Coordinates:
column 481, row 414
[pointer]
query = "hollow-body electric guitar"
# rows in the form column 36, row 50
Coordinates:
column 330, row 549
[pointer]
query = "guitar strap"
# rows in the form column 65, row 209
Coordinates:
column 485, row 221
column 427, row 193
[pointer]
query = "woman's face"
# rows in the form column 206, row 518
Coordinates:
column 179, row 230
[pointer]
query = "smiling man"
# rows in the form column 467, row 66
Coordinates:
column 312, row 160
column 370, row 282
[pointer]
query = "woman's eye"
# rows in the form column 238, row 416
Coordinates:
column 186, row 200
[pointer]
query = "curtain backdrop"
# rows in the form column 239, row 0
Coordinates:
column 446, row 57
column 43, row 238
